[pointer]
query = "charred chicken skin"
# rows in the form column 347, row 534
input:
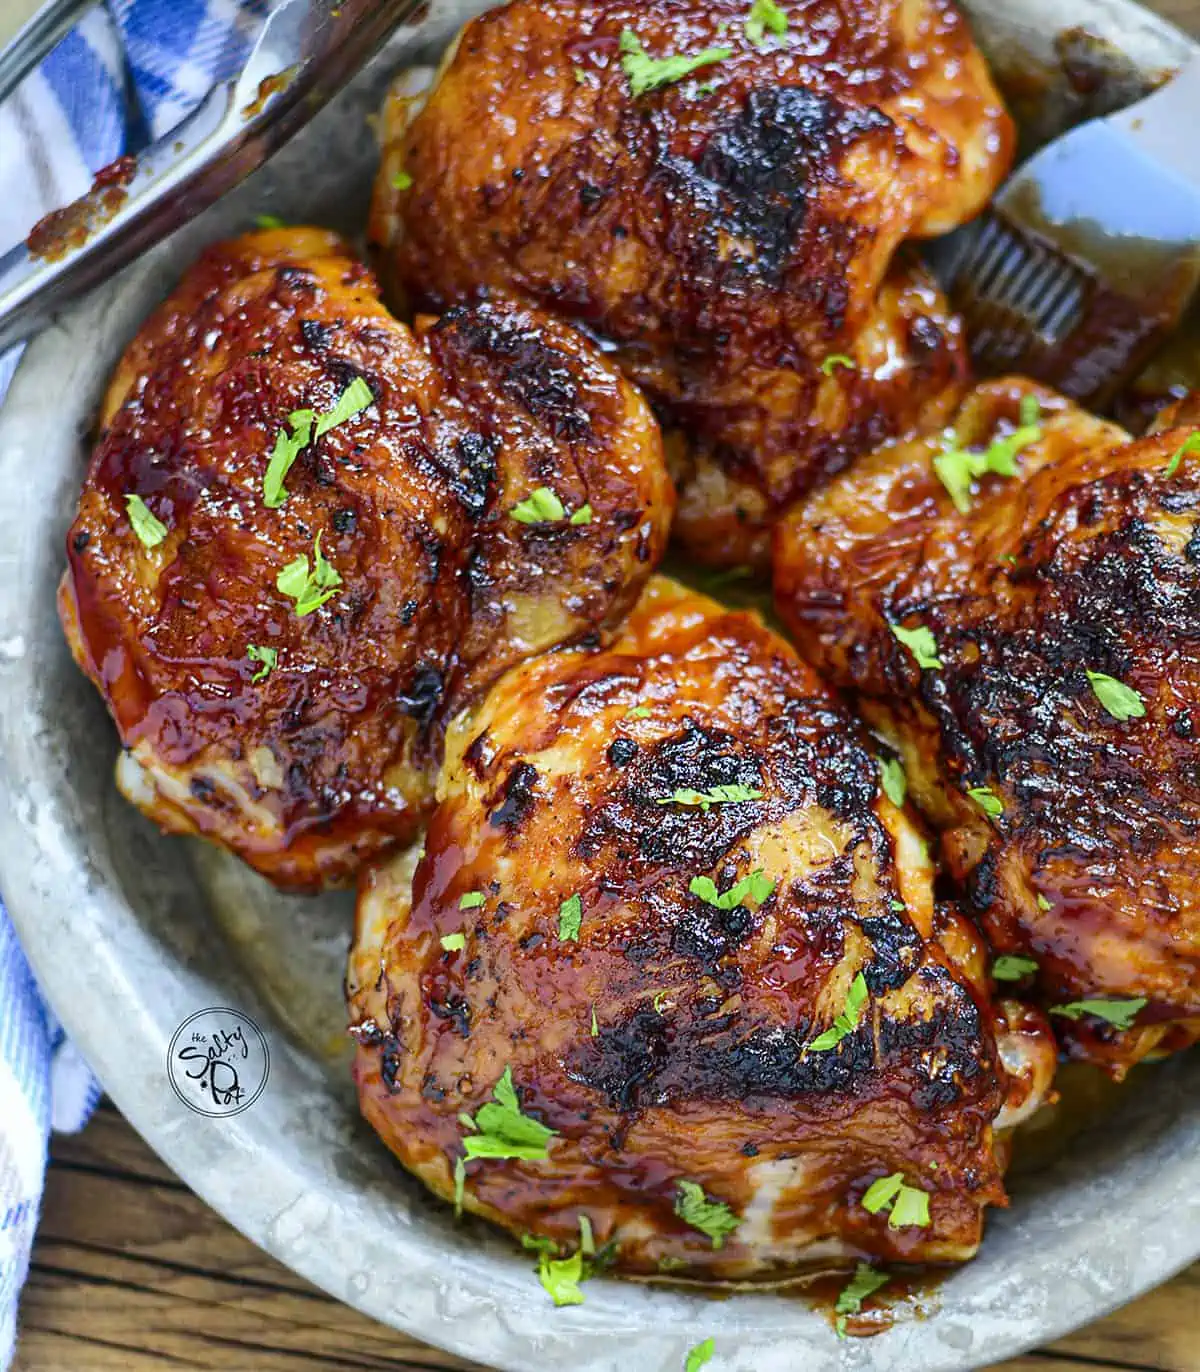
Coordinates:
column 1047, row 711
column 731, row 232
column 277, row 644
column 665, row 910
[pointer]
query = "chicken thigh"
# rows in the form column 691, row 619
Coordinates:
column 721, row 199
column 668, row 935
column 307, row 535
column 1015, row 606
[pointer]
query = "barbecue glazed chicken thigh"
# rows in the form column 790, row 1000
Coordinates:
column 1016, row 608
column 731, row 231
column 307, row 535
column 665, row 912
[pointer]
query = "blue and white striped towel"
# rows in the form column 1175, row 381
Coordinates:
column 128, row 73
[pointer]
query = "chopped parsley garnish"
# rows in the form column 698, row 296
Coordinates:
column 715, row 795
column 581, row 76
column 1121, row 701
column 401, row 181
column 310, row 590
column 1190, row 444
column 897, row 905
column 895, row 782
column 699, row 1356
column 454, row 943
column 638, row 712
column 713, row 1218
column 503, row 1131
column 268, row 657
column 658, row 1001
column 1119, row 1013
column 755, row 887
column 587, row 1240
column 957, row 468
column 909, row 1205
column 987, row 800
column 1030, row 411
column 561, row 1277
column 845, row 1023
column 307, row 425
column 865, row 1282
column 570, row 916
column 472, row 900
column 595, row 1025
column 268, row 221
column 921, row 643
column 836, row 360
column 648, row 73
column 1042, row 902
column 286, row 450
column 1012, row 967
column 150, row 531
column 765, row 16
column 544, row 507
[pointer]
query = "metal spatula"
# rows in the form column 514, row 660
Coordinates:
column 1090, row 253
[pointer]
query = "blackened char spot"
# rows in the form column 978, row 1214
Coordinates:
column 527, row 369
column 622, row 751
column 476, row 471
column 518, row 796
column 423, row 694
column 765, row 165
column 315, row 334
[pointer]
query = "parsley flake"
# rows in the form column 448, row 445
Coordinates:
column 401, row 181
column 1042, row 902
column 310, row 590
column 1031, row 410
column 713, row 1218
column 307, row 425
column 267, row 656
column 909, row 1205
column 268, row 221
column 581, row 76
column 845, row 1023
column 595, row 1025
column 1121, row 701
column 1011, row 967
column 544, row 507
column 460, row 1186
column 570, row 916
column 957, row 468
column 715, row 795
column 894, row 779
column 921, row 643
column 504, row 1132
column 836, row 360
column 587, row 1239
column 1190, row 444
column 865, row 1282
column 646, row 73
column 756, row 887
column 638, row 712
column 561, row 1277
column 699, row 1356
column 472, row 900
column 1119, row 1013
column 765, row 16
column 987, row 800
column 150, row 531
column 454, row 943
column 658, row 1001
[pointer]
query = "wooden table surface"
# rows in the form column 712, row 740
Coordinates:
column 132, row 1272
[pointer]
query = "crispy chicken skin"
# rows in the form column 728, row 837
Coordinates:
column 329, row 757
column 668, row 1041
column 1088, row 560
column 728, row 233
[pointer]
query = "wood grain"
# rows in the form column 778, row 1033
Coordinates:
column 133, row 1273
